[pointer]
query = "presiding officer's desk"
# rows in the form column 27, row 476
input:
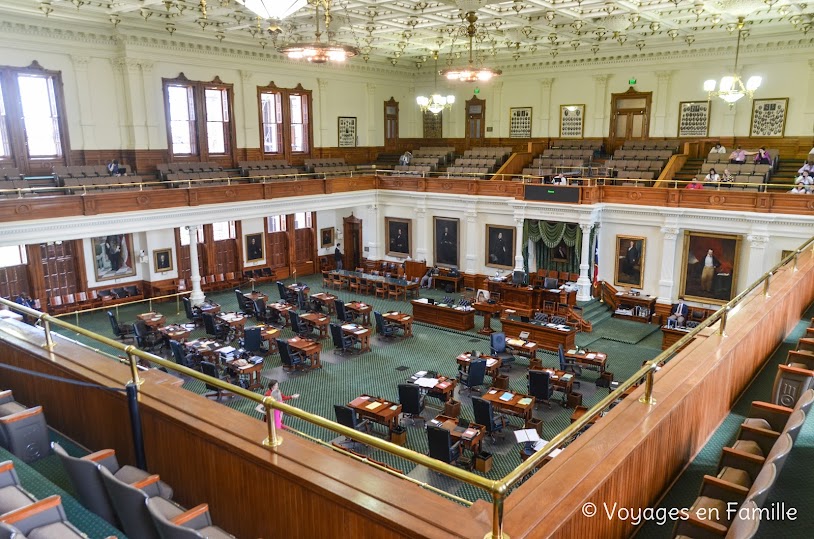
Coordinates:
column 448, row 317
column 549, row 338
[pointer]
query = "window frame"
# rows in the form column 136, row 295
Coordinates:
column 15, row 122
column 286, row 125
column 200, row 137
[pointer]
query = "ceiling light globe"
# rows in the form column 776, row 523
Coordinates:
column 709, row 85
column 753, row 83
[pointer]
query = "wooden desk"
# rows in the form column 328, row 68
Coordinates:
column 633, row 302
column 209, row 308
column 442, row 388
column 309, row 347
column 545, row 337
column 361, row 333
column 206, row 348
column 558, row 296
column 597, row 362
column 376, row 410
column 235, row 321
column 523, row 299
column 251, row 372
column 670, row 336
column 487, row 310
column 456, row 281
column 471, row 438
column 403, row 320
column 175, row 332
column 443, row 316
column 283, row 309
column 152, row 320
column 492, row 363
column 563, row 385
column 326, row 300
column 318, row 321
column 519, row 405
column 297, row 288
column 523, row 347
column 580, row 411
column 361, row 310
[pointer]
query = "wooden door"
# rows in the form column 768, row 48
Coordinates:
column 391, row 124
column 475, row 121
column 353, row 242
column 630, row 117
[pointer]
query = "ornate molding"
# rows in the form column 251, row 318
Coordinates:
column 758, row 241
column 546, row 83
column 80, row 62
column 669, row 233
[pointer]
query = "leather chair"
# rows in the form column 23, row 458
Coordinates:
column 210, row 369
column 500, row 350
column 291, row 360
column 44, row 518
column 23, row 430
column 193, row 313
column 412, row 402
column 128, row 502
column 12, row 494
column 145, row 338
column 181, row 357
column 342, row 342
column 441, row 447
column 243, row 303
column 341, row 313
column 252, row 341
column 123, row 332
column 87, row 483
column 540, row 386
column 195, row 523
column 568, row 366
column 214, row 329
column 298, row 326
column 383, row 328
column 346, row 416
column 475, row 375
column 485, row 415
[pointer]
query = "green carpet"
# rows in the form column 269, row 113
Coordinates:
column 379, row 372
column 794, row 484
column 34, row 481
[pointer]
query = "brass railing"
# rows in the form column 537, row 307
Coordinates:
column 497, row 489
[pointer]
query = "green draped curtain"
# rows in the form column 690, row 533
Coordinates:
column 546, row 235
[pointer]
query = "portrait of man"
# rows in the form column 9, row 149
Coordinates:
column 499, row 246
column 398, row 236
column 710, row 265
column 113, row 256
column 254, row 247
column 629, row 261
column 446, row 241
column 561, row 253
column 326, row 237
column 162, row 260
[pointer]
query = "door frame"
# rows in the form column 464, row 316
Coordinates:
column 467, row 134
column 391, row 143
column 631, row 93
column 348, row 224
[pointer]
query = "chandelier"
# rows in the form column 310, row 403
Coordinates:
column 273, row 9
column 316, row 51
column 731, row 87
column 436, row 102
column 471, row 73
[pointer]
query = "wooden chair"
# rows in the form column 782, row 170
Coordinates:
column 380, row 290
column 354, row 284
column 393, row 291
column 326, row 279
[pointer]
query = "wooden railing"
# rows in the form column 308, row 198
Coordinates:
column 674, row 164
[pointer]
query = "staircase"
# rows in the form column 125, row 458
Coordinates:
column 596, row 312
column 689, row 170
column 783, row 179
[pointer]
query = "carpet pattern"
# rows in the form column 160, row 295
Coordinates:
column 379, row 372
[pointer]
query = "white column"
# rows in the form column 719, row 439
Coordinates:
column 373, row 239
column 757, row 258
column 518, row 243
column 413, row 116
column 251, row 124
column 544, row 114
column 324, row 124
column 472, row 236
column 80, row 66
column 134, row 88
column 122, row 117
column 584, row 281
column 420, row 238
column 150, row 101
column 668, row 260
column 371, row 116
column 197, row 295
column 728, row 120
column 662, row 93
column 600, row 104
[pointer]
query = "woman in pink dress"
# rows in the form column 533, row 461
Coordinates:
column 274, row 392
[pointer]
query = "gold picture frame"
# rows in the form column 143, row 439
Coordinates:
column 572, row 121
column 254, row 247
column 162, row 260
column 115, row 256
column 718, row 285
column 326, row 237
column 693, row 118
column 499, row 249
column 630, row 257
column 398, row 237
column 769, row 117
column 445, row 251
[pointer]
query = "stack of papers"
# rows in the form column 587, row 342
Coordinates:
column 526, row 435
column 592, row 355
column 507, row 396
column 348, row 326
column 469, row 434
column 358, row 401
column 374, row 405
column 524, row 401
column 427, row 382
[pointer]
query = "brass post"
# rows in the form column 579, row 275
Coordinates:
column 766, row 284
column 722, row 329
column 497, row 517
column 796, row 255
column 273, row 440
column 49, row 340
column 647, row 398
column 134, row 377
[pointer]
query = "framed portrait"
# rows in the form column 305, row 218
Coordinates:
column 709, row 267
column 326, row 237
column 769, row 117
column 162, row 260
column 347, row 131
column 629, row 261
column 397, row 235
column 561, row 252
column 500, row 246
column 693, row 118
column 254, row 247
column 445, row 252
column 572, row 121
column 520, row 122
column 115, row 257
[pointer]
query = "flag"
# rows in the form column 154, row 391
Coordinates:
column 596, row 264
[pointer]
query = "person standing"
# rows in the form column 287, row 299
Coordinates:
column 338, row 257
column 711, row 265
column 274, row 392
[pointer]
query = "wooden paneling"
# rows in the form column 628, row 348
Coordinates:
column 498, row 188
column 443, row 316
column 547, row 338
column 293, row 188
column 400, row 183
column 123, row 201
column 344, row 185
column 44, row 207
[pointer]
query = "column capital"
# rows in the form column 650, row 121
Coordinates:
column 663, row 76
column 758, row 241
column 193, row 228
column 601, row 79
column 80, row 62
column 546, row 83
column 586, row 227
column 322, row 83
column 498, row 86
column 246, row 75
column 371, row 87
column 146, row 66
column 669, row 233
column 811, row 65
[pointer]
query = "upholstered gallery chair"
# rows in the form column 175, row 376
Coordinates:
column 41, row 520
column 23, row 430
column 193, row 524
column 12, row 494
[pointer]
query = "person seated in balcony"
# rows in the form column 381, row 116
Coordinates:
column 694, row 184
column 712, row 176
column 808, row 166
column 727, row 177
column 405, row 158
column 559, row 179
column 762, row 157
column 718, row 148
column 799, row 189
column 806, row 179
column 738, row 156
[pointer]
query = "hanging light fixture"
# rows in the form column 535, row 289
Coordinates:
column 316, row 51
column 471, row 73
column 731, row 88
column 273, row 9
column 436, row 102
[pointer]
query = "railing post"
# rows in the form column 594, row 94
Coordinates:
column 135, row 425
column 647, row 398
column 796, row 255
column 133, row 359
column 724, row 316
column 497, row 517
column 766, row 284
column 49, row 339
column 273, row 439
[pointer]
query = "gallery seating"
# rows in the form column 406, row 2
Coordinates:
column 23, row 430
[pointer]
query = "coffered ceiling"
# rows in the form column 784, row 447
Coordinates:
column 407, row 33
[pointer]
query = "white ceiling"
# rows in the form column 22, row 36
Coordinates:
column 405, row 33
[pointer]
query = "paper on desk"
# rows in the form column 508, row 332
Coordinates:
column 492, row 392
column 538, row 445
column 420, row 374
column 554, row 453
column 468, row 434
column 524, row 401
column 359, row 400
column 348, row 326
column 507, row 396
column 490, row 362
column 427, row 382
column 592, row 355
column 572, row 352
column 360, row 332
column 526, row 435
column 374, row 405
